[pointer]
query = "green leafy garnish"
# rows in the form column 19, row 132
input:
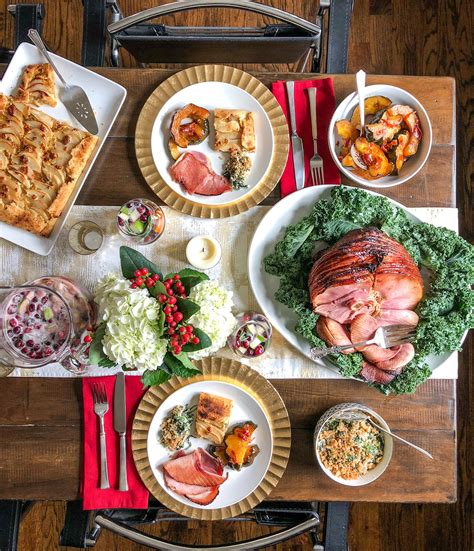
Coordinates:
column 131, row 260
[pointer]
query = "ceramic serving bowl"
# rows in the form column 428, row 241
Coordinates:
column 333, row 413
column 413, row 164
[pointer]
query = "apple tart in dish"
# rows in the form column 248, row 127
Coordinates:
column 41, row 159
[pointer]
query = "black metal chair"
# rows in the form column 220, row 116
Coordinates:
column 27, row 16
column 292, row 40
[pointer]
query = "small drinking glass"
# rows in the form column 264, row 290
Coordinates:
column 85, row 237
column 141, row 221
column 252, row 335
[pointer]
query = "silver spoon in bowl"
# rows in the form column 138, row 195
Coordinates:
column 360, row 81
column 360, row 416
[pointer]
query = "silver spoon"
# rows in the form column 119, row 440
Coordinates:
column 359, row 416
column 360, row 81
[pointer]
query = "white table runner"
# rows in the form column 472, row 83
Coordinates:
column 18, row 266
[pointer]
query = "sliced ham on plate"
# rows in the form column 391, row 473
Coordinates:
column 196, row 475
column 193, row 170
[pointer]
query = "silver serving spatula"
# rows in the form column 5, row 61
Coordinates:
column 73, row 97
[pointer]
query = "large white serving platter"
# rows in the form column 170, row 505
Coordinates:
column 106, row 98
column 271, row 229
column 211, row 96
column 245, row 408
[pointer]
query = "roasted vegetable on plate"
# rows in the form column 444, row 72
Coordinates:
column 237, row 450
column 189, row 126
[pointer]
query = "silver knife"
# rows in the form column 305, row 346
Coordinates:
column 73, row 97
column 296, row 141
column 120, row 426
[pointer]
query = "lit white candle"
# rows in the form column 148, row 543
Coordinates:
column 203, row 252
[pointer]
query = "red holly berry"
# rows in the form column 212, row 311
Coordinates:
column 170, row 292
column 133, row 285
column 169, row 281
column 169, row 319
column 183, row 295
column 171, row 331
column 175, row 309
column 137, row 273
column 172, row 300
column 167, row 310
column 139, row 281
column 87, row 338
column 185, row 338
column 149, row 282
column 144, row 271
column 182, row 329
column 155, row 277
column 177, row 350
column 162, row 299
column 195, row 340
column 178, row 316
column 167, row 285
column 176, row 277
column 189, row 328
column 173, row 324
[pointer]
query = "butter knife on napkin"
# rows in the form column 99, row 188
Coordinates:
column 296, row 141
column 120, row 426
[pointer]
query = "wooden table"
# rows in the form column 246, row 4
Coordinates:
column 41, row 420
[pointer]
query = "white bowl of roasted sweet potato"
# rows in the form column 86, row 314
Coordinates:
column 395, row 145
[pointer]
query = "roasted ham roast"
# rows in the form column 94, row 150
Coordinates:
column 364, row 281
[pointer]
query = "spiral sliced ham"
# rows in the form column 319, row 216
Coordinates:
column 364, row 281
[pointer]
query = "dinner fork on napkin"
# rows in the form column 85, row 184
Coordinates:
column 326, row 104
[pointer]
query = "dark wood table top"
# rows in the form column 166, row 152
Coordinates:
column 41, row 419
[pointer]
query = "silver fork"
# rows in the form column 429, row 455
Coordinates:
column 316, row 162
column 386, row 337
column 101, row 407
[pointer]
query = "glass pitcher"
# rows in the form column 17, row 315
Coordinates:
column 45, row 321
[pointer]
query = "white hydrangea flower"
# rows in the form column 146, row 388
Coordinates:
column 131, row 324
column 214, row 317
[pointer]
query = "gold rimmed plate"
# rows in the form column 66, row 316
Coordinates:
column 254, row 397
column 212, row 87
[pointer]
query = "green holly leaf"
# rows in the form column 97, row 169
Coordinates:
column 187, row 307
column 204, row 342
column 180, row 365
column 106, row 362
column 190, row 278
column 161, row 323
column 155, row 377
column 96, row 350
column 132, row 260
column 157, row 289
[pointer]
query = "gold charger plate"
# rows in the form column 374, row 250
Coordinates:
column 211, row 73
column 231, row 371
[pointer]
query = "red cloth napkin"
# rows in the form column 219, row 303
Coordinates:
column 93, row 497
column 325, row 107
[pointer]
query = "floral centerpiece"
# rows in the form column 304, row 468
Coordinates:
column 157, row 324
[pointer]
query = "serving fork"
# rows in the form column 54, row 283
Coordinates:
column 316, row 163
column 101, row 407
column 385, row 337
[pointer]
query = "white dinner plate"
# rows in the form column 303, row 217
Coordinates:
column 211, row 96
column 245, row 408
column 271, row 229
column 106, row 98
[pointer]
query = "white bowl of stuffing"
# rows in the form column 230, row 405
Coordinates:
column 349, row 448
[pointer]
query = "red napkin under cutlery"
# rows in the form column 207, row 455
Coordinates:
column 93, row 497
column 325, row 107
